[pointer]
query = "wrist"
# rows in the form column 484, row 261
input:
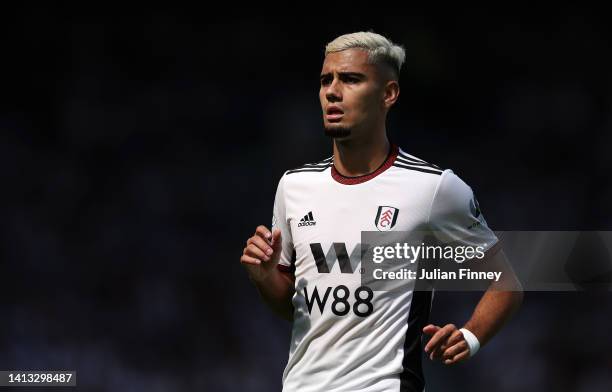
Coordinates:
column 471, row 340
column 260, row 275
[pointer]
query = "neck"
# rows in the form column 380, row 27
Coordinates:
column 360, row 157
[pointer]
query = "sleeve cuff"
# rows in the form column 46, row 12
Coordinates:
column 285, row 268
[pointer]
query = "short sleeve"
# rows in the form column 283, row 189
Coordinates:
column 279, row 221
column 456, row 218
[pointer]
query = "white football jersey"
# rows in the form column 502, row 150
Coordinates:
column 345, row 336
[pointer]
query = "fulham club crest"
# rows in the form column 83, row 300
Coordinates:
column 386, row 217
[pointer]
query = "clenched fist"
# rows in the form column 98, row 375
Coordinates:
column 446, row 344
column 262, row 252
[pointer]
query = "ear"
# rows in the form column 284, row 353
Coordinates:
column 391, row 93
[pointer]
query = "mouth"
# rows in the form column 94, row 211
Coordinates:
column 333, row 113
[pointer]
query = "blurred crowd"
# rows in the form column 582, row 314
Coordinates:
column 138, row 154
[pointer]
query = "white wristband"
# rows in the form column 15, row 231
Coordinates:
column 471, row 340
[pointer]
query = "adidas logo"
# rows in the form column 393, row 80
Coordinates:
column 307, row 220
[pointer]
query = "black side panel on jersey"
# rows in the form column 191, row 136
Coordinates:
column 412, row 379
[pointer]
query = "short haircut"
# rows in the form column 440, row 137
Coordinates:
column 380, row 49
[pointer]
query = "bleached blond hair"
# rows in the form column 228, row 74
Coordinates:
column 380, row 49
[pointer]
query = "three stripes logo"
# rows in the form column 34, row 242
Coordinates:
column 307, row 220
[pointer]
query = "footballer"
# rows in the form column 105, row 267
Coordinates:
column 346, row 336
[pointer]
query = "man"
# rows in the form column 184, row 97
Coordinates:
column 346, row 336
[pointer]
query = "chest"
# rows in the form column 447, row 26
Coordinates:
column 325, row 217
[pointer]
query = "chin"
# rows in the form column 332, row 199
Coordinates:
column 337, row 130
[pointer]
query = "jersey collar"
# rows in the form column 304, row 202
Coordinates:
column 366, row 177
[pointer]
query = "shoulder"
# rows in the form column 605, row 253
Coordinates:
column 446, row 186
column 304, row 174
column 453, row 196
column 451, row 185
column 313, row 167
column 413, row 164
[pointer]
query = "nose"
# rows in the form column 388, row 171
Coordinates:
column 333, row 93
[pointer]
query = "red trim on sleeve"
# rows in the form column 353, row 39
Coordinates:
column 284, row 268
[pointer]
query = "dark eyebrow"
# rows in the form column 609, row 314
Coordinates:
column 349, row 74
column 357, row 75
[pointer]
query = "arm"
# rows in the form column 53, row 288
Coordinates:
column 260, row 257
column 497, row 305
column 456, row 217
column 276, row 291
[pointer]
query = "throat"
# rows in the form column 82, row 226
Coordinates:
column 352, row 161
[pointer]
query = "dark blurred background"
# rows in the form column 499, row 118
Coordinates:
column 140, row 149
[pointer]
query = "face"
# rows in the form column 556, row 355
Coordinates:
column 354, row 95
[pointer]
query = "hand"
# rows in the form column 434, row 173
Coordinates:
column 446, row 344
column 262, row 252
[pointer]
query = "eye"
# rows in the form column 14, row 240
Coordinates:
column 350, row 79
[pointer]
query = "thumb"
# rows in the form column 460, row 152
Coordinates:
column 277, row 240
column 431, row 329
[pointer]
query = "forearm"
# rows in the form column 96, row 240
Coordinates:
column 494, row 309
column 276, row 289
